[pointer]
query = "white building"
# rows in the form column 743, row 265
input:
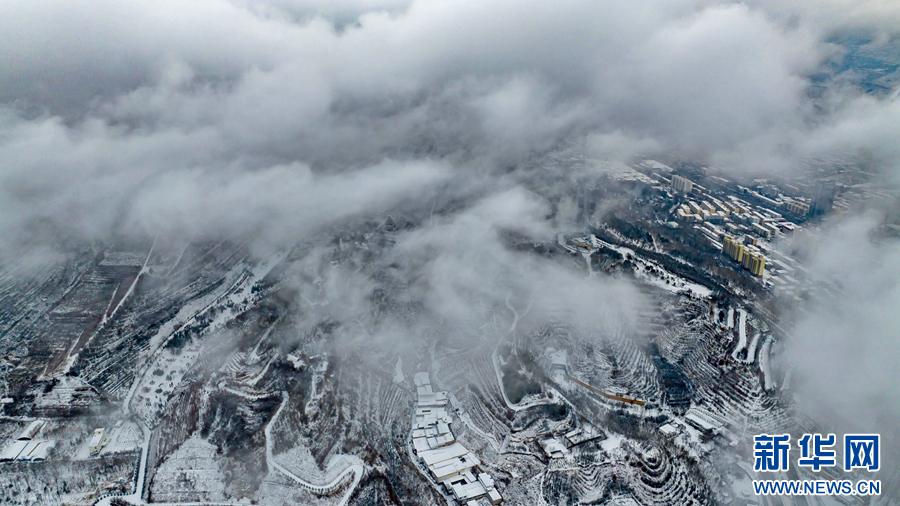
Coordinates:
column 98, row 441
column 682, row 184
column 448, row 461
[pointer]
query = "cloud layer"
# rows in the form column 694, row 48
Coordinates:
column 105, row 108
column 843, row 346
column 272, row 120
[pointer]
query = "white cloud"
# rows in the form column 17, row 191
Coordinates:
column 230, row 118
column 843, row 346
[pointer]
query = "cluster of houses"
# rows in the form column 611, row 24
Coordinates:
column 559, row 446
column 450, row 463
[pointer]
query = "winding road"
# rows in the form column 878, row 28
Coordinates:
column 320, row 489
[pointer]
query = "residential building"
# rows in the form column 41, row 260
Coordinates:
column 682, row 184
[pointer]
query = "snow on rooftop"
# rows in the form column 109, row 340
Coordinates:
column 486, row 480
column 13, row 449
column 436, row 399
column 37, row 450
column 586, row 432
column 97, row 436
column 554, row 448
column 703, row 419
column 441, row 454
column 456, row 465
column 669, row 429
column 420, row 444
column 466, row 491
column 446, row 459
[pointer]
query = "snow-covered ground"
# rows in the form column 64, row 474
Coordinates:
column 466, row 419
column 123, row 437
column 191, row 473
column 751, row 350
column 764, row 365
column 526, row 402
column 301, row 464
column 337, row 470
column 653, row 164
column 135, row 496
column 742, row 333
column 188, row 313
column 167, row 367
column 317, row 377
column 398, row 371
column 654, row 274
column 165, row 373
column 613, row 444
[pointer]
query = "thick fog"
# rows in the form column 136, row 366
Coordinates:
column 843, row 348
column 148, row 117
column 462, row 284
column 271, row 121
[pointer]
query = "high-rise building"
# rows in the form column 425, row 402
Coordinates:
column 733, row 248
column 682, row 184
column 797, row 207
column 755, row 262
column 747, row 260
column 749, row 257
column 823, row 198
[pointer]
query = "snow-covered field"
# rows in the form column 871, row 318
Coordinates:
column 654, row 274
column 191, row 473
column 742, row 333
column 764, row 365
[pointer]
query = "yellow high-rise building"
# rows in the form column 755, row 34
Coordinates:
column 755, row 262
column 749, row 258
column 739, row 252
column 733, row 248
column 758, row 265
